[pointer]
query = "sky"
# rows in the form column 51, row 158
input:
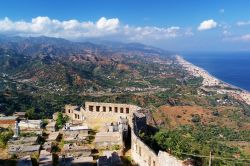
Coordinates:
column 177, row 25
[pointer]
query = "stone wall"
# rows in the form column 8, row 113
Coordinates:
column 100, row 110
column 145, row 156
column 165, row 158
column 141, row 153
column 111, row 108
column 74, row 112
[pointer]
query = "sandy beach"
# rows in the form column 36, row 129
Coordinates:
column 213, row 82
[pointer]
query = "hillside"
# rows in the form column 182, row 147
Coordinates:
column 44, row 74
column 45, row 66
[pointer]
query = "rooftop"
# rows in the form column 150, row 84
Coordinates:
column 31, row 121
column 31, row 148
column 24, row 140
column 78, row 128
column 8, row 117
column 74, row 147
column 107, row 137
column 19, row 113
column 75, row 137
column 23, row 148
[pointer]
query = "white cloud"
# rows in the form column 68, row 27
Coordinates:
column 207, row 24
column 74, row 29
column 56, row 28
column 244, row 38
column 242, row 23
column 153, row 33
column 108, row 24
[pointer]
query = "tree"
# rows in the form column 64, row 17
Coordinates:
column 30, row 113
column 173, row 141
column 61, row 120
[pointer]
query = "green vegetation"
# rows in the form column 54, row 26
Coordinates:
column 190, row 142
column 115, row 147
column 30, row 113
column 42, row 85
column 61, row 120
column 5, row 135
column 196, row 118
column 28, row 134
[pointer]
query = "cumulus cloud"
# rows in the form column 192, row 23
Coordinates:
column 74, row 29
column 207, row 24
column 56, row 28
column 242, row 23
column 108, row 24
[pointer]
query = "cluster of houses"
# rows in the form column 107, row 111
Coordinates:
column 74, row 144
column 79, row 142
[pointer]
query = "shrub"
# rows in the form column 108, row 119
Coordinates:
column 215, row 113
column 196, row 118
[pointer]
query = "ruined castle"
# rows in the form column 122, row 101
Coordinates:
column 142, row 154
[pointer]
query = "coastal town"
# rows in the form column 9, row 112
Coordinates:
column 213, row 83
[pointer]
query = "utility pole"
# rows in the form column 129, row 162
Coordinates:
column 210, row 159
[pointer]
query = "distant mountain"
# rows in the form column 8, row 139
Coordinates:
column 37, row 46
column 57, row 64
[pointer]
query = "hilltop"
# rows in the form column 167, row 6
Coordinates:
column 43, row 74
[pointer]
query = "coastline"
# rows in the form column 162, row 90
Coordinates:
column 210, row 81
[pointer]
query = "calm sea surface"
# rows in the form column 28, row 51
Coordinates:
column 233, row 68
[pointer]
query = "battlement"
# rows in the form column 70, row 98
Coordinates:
column 124, row 109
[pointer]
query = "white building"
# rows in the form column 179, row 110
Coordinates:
column 30, row 124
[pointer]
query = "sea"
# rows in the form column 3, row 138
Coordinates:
column 230, row 67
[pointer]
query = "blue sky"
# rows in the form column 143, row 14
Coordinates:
column 182, row 25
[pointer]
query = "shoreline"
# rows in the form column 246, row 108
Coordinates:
column 211, row 81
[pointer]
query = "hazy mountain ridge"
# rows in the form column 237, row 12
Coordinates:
column 40, row 61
